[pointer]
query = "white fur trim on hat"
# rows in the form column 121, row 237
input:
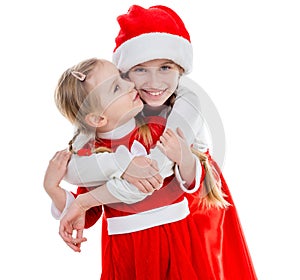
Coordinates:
column 151, row 46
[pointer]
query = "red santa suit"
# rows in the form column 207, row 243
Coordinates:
column 169, row 235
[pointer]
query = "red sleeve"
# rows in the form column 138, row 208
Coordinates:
column 93, row 214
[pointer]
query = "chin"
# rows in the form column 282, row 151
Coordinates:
column 155, row 104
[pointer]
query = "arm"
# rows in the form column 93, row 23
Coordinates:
column 96, row 169
column 55, row 171
column 62, row 199
column 185, row 114
column 115, row 190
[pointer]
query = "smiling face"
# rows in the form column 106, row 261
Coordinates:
column 119, row 101
column 155, row 80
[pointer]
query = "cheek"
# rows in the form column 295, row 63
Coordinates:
column 173, row 82
column 137, row 80
column 112, row 102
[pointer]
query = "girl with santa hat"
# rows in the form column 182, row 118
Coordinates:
column 150, row 42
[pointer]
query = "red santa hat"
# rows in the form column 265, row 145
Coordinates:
column 154, row 33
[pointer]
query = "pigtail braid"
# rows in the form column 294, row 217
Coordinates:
column 213, row 195
column 144, row 132
column 71, row 142
column 101, row 150
column 95, row 150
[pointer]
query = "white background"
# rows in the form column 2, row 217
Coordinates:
column 246, row 58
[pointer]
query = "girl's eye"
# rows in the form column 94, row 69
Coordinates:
column 165, row 67
column 117, row 87
column 139, row 69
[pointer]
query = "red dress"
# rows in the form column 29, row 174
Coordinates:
column 206, row 244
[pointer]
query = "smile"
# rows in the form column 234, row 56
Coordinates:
column 154, row 93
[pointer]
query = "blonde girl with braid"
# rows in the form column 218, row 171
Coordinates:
column 99, row 103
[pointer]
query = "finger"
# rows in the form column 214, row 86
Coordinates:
column 153, row 177
column 174, row 136
column 79, row 233
column 170, row 133
column 161, row 147
column 163, row 138
column 140, row 186
column 65, row 231
column 148, row 160
column 77, row 242
column 67, row 155
column 146, row 185
column 79, row 237
column 154, row 165
column 66, row 236
column 154, row 183
column 159, row 186
column 74, row 247
column 64, row 155
column 180, row 133
column 73, row 243
column 154, row 172
column 150, row 170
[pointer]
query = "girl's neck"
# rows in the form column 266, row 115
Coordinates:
column 155, row 111
column 118, row 132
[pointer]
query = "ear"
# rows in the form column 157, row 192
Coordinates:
column 95, row 120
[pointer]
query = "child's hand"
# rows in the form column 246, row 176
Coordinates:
column 174, row 145
column 73, row 222
column 56, row 170
column 142, row 172
column 176, row 148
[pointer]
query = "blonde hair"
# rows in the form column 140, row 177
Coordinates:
column 72, row 97
column 212, row 194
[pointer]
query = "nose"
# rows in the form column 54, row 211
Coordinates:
column 153, row 79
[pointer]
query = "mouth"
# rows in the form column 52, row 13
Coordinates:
column 154, row 93
column 136, row 97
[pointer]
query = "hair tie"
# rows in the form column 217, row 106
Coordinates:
column 78, row 75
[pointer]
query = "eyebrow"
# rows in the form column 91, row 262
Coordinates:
column 167, row 62
column 162, row 64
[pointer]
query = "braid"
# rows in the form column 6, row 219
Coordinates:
column 213, row 195
column 93, row 150
column 102, row 150
column 171, row 100
column 144, row 132
column 71, row 142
